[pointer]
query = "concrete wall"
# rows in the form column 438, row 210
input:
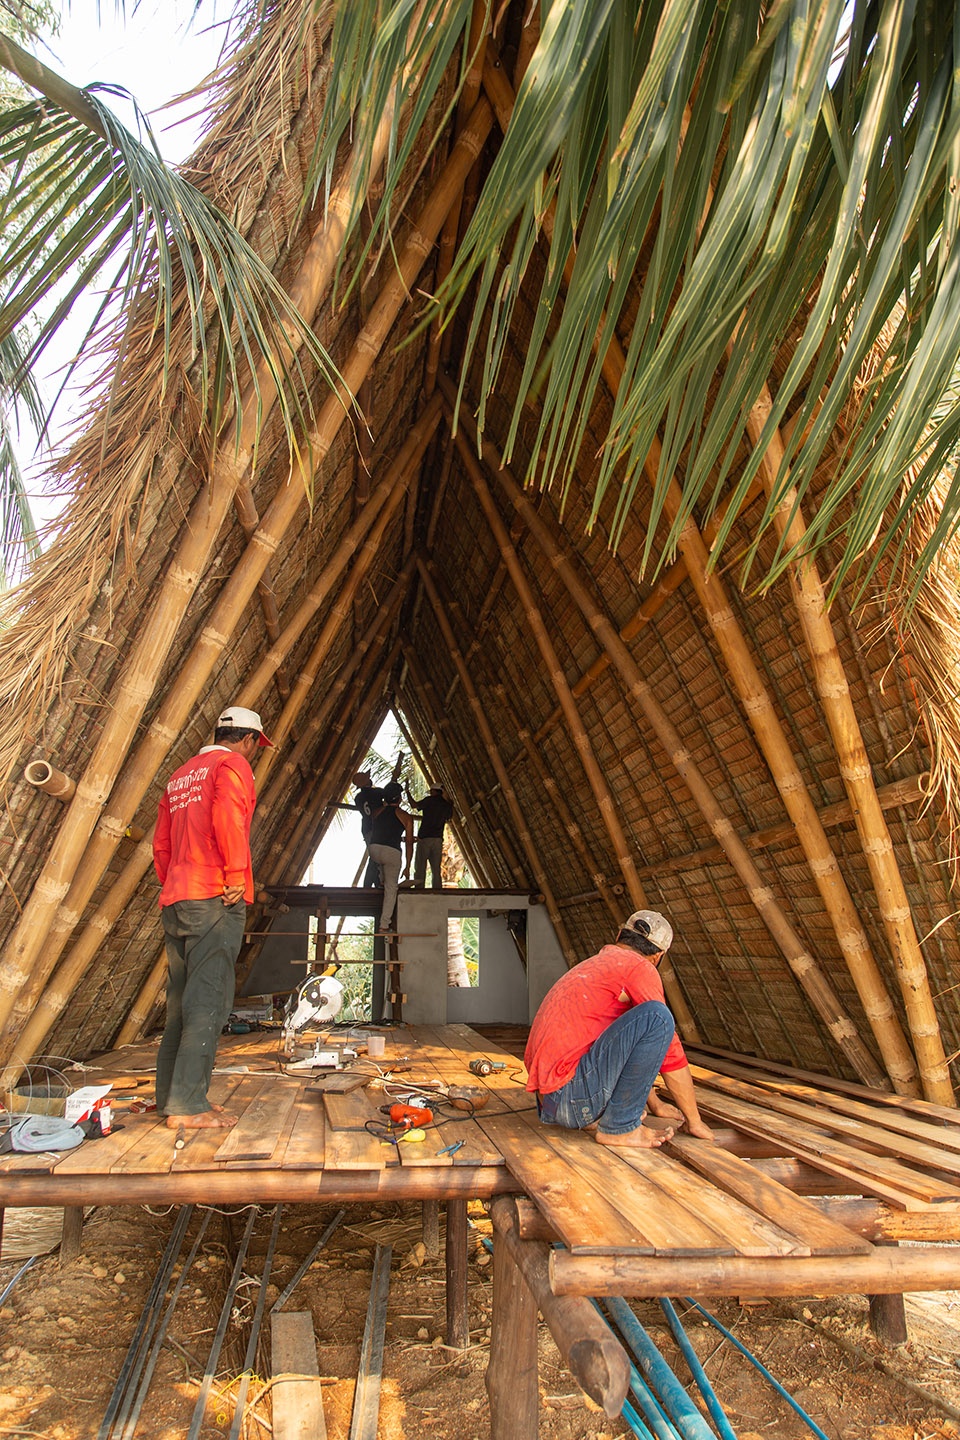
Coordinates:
column 505, row 993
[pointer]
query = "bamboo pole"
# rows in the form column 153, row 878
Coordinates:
column 506, row 785
column 686, row 1024
column 23, row 949
column 317, row 720
column 811, row 978
column 427, row 770
column 133, row 784
column 43, row 776
column 857, row 775
column 67, row 977
column 338, row 613
column 891, row 797
column 144, row 666
column 142, row 1008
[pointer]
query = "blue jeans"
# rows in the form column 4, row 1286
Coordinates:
column 615, row 1076
column 203, row 939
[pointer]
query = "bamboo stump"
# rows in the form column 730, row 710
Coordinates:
column 458, row 1325
column 589, row 1349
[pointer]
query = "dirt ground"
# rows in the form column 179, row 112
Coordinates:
column 64, row 1334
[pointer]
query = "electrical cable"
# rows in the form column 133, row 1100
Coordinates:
column 794, row 1404
column 717, row 1412
column 22, row 1271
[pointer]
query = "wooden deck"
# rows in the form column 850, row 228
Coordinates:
column 641, row 1222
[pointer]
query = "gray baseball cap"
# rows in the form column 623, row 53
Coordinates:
column 650, row 925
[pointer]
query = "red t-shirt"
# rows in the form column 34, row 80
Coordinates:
column 581, row 1005
column 202, row 840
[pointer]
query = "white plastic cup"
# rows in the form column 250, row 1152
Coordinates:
column 376, row 1045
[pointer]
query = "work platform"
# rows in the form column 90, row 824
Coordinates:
column 812, row 1185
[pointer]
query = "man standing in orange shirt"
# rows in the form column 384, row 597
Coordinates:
column 201, row 852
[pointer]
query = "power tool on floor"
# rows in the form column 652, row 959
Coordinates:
column 483, row 1066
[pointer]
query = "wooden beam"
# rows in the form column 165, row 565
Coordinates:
column 595, row 1358
column 883, row 1272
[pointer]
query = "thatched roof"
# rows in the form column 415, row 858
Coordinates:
column 604, row 772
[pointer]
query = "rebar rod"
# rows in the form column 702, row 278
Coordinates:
column 226, row 1309
column 282, row 1299
column 248, row 1359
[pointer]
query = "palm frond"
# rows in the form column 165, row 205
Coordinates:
column 100, row 211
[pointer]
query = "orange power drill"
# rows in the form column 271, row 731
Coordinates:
column 408, row 1117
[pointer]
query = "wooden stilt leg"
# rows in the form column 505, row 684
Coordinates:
column 511, row 1379
column 430, row 1221
column 458, row 1329
column 590, row 1350
column 888, row 1317
column 71, row 1235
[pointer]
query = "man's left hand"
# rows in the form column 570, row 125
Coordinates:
column 701, row 1131
column 232, row 893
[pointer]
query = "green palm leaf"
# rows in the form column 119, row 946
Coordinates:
column 89, row 207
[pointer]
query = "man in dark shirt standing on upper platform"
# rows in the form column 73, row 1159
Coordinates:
column 435, row 810
column 367, row 800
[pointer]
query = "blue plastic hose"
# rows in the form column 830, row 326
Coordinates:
column 717, row 1413
column 683, row 1414
column 807, row 1419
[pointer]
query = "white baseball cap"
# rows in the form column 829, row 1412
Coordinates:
column 237, row 718
column 650, row 925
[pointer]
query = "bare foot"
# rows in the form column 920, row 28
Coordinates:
column 639, row 1139
column 215, row 1119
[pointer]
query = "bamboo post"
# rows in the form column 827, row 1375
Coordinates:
column 803, row 965
column 132, row 1028
column 595, row 1358
column 857, row 776
column 598, row 784
column 22, row 954
column 506, row 784
column 142, row 670
column 339, row 611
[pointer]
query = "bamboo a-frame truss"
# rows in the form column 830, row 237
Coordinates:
column 756, row 765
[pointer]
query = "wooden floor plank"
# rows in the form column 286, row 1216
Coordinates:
column 748, row 1232
column 876, row 1174
column 903, row 1147
column 669, row 1226
column 353, row 1110
column 200, row 1147
column 924, row 1108
column 257, row 1133
column 357, row 1150
column 450, row 1048
column 587, row 1222
column 306, row 1145
column 937, row 1133
column 152, row 1154
column 99, row 1157
column 790, row 1212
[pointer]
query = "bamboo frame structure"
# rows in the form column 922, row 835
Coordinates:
column 814, row 983
column 44, row 776
column 490, row 744
column 23, row 949
column 601, row 790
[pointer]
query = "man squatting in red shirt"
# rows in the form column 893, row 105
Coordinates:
column 602, row 1035
column 201, row 852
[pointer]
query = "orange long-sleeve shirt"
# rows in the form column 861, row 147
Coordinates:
column 202, row 840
